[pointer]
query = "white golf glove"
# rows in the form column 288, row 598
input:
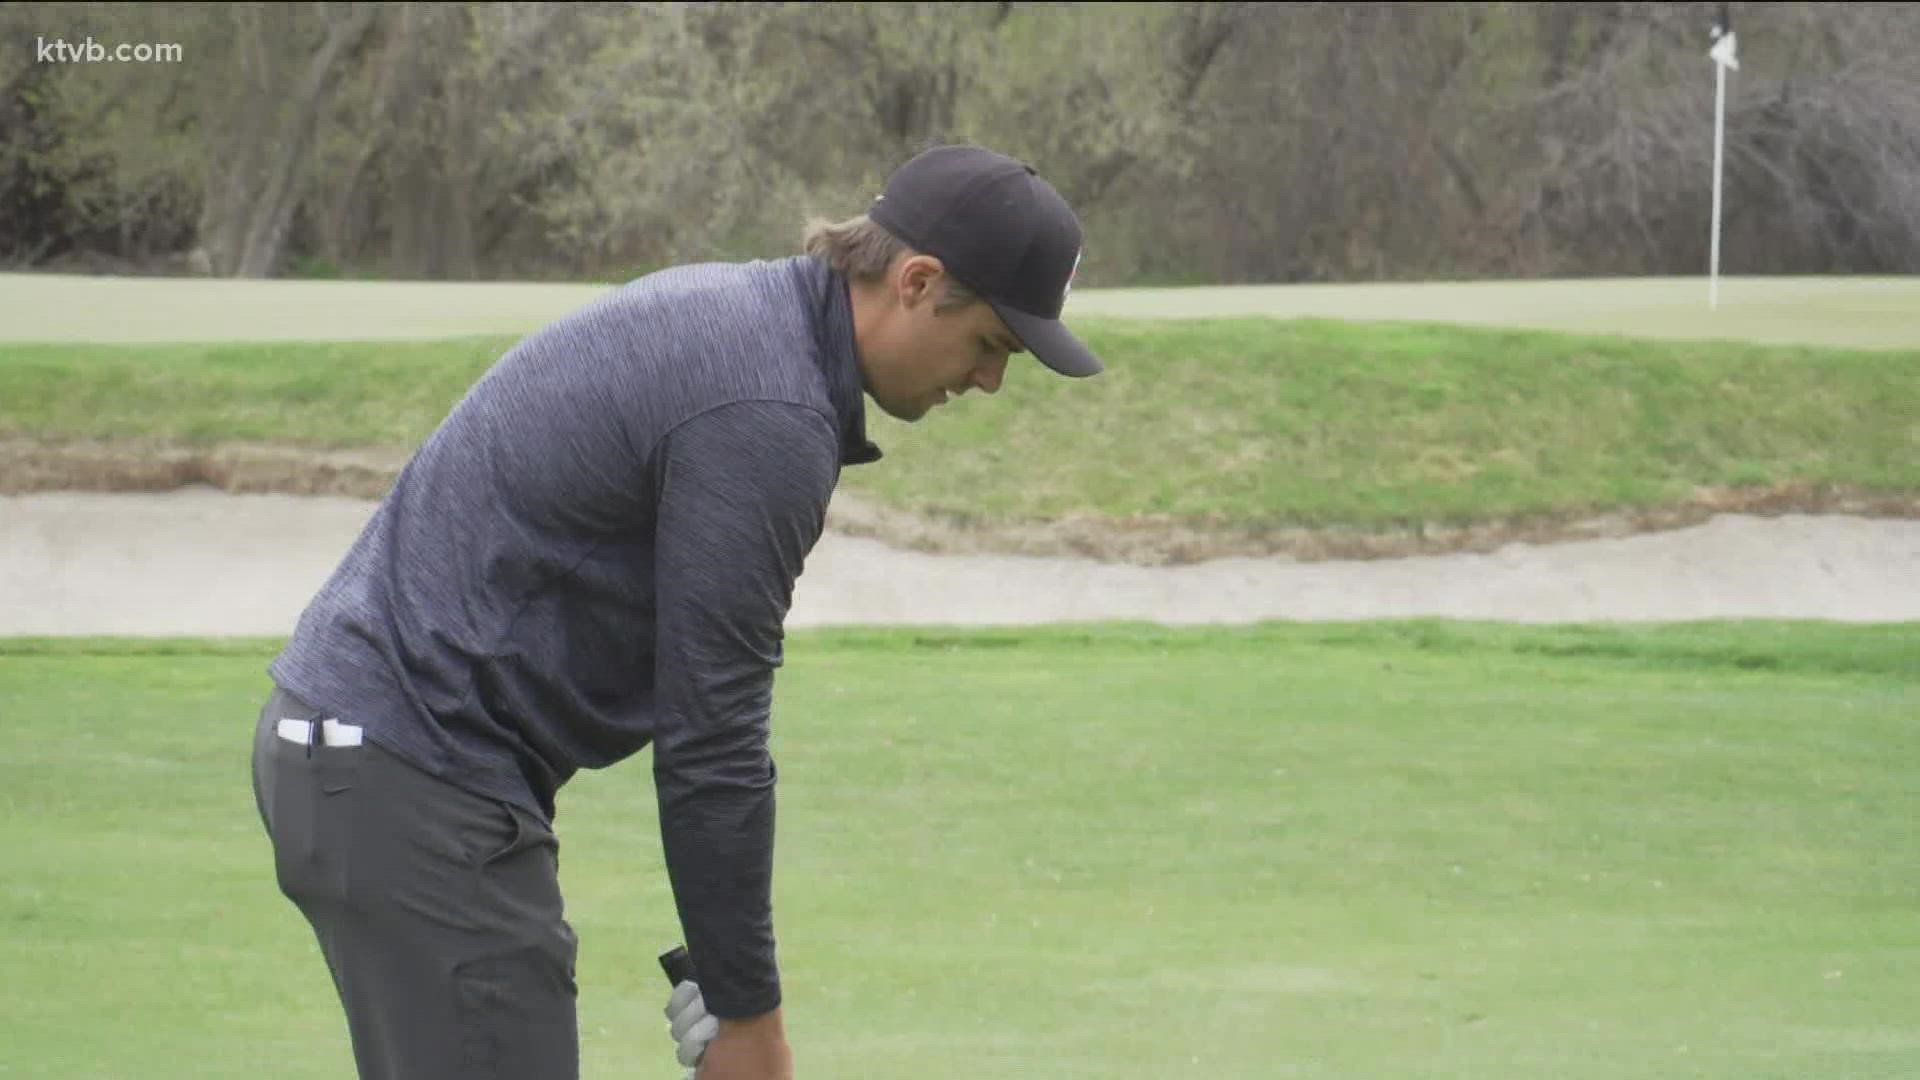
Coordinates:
column 689, row 1025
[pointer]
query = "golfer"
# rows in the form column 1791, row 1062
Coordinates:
column 596, row 552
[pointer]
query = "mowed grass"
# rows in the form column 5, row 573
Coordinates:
column 1261, row 423
column 1845, row 311
column 328, row 394
column 1344, row 851
column 1242, row 423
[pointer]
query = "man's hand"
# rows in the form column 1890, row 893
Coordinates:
column 689, row 1025
column 754, row 1049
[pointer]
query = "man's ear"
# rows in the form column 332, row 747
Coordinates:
column 918, row 280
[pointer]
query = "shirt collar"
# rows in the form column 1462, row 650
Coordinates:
column 830, row 313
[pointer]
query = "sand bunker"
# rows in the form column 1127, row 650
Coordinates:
column 198, row 561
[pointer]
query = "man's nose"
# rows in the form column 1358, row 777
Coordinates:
column 988, row 375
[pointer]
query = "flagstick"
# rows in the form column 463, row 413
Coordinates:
column 1719, row 138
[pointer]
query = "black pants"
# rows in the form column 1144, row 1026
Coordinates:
column 438, row 910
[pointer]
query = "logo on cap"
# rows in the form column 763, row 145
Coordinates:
column 1071, row 274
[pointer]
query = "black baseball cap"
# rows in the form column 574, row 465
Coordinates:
column 1003, row 232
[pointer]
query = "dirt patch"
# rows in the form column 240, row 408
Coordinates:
column 28, row 466
column 1160, row 541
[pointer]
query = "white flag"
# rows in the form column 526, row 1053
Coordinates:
column 1724, row 47
column 1724, row 60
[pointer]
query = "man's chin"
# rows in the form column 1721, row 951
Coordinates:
column 909, row 412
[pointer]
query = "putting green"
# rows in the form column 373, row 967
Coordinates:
column 1415, row 851
column 1840, row 311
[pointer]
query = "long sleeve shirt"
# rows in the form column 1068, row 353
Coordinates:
column 596, row 551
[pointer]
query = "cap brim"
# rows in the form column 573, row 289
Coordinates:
column 1050, row 342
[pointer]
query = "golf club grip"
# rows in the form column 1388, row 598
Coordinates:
column 677, row 964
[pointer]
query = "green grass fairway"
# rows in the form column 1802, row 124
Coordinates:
column 1249, row 422
column 1841, row 311
column 1399, row 851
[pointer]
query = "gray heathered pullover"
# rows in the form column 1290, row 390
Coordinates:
column 596, row 551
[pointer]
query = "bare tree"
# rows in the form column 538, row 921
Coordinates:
column 1201, row 142
column 248, row 232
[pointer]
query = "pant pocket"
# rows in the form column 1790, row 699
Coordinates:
column 505, row 835
column 513, row 832
column 517, row 1017
column 310, row 803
